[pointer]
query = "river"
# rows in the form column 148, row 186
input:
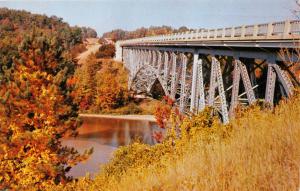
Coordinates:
column 105, row 134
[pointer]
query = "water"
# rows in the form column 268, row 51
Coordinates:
column 105, row 135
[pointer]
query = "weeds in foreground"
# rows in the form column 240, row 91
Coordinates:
column 259, row 150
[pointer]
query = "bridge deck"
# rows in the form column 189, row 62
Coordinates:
column 277, row 34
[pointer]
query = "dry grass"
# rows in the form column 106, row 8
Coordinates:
column 261, row 153
column 144, row 107
column 148, row 106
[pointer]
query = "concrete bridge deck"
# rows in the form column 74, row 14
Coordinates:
column 261, row 35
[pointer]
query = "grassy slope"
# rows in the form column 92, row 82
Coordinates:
column 258, row 151
column 144, row 107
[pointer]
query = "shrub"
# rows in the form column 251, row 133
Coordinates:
column 106, row 51
column 130, row 108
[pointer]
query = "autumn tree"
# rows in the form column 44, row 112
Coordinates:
column 37, row 109
column 296, row 11
column 101, row 85
column 291, row 57
column 85, row 77
column 88, row 32
column 111, row 89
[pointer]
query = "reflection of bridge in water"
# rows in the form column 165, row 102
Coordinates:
column 190, row 66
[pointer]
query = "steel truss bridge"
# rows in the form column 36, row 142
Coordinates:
column 220, row 68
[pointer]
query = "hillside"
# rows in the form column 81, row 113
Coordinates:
column 14, row 22
column 120, row 34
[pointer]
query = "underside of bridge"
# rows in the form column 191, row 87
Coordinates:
column 157, row 91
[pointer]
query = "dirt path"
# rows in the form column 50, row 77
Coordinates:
column 92, row 47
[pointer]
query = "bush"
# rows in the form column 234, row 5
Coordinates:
column 106, row 51
column 129, row 109
column 77, row 49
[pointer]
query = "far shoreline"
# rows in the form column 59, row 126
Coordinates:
column 150, row 118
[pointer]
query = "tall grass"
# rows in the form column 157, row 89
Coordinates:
column 260, row 150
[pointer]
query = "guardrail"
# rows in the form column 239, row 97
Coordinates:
column 275, row 30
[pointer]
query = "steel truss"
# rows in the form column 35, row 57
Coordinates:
column 186, row 85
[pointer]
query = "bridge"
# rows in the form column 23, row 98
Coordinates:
column 220, row 68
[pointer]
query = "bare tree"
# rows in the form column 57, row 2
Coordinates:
column 291, row 60
column 291, row 57
column 296, row 11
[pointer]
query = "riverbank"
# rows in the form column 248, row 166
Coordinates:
column 259, row 150
column 105, row 133
column 150, row 118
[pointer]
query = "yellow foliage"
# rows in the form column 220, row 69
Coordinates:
column 101, row 85
column 36, row 111
column 259, row 150
column 111, row 86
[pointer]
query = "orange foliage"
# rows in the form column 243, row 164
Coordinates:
column 36, row 111
column 77, row 49
column 106, row 51
column 163, row 111
column 111, row 86
column 101, row 85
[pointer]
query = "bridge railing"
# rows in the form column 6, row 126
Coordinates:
column 275, row 30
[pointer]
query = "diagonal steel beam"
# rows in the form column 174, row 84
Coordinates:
column 270, row 87
column 194, row 83
column 174, row 76
column 247, row 82
column 183, row 83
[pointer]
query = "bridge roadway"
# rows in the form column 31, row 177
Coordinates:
column 191, row 66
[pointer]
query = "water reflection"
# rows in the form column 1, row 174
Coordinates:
column 105, row 135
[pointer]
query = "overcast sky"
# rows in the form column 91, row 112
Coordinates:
column 105, row 15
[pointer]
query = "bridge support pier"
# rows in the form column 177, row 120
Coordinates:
column 174, row 76
column 182, row 101
column 166, row 69
column 194, row 83
column 217, row 81
column 240, row 70
column 200, row 94
column 273, row 72
column 197, row 89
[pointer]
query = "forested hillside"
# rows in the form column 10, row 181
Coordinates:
column 120, row 34
column 18, row 22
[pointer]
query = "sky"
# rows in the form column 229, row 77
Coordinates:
column 106, row 15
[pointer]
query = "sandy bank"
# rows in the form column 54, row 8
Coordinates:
column 127, row 117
